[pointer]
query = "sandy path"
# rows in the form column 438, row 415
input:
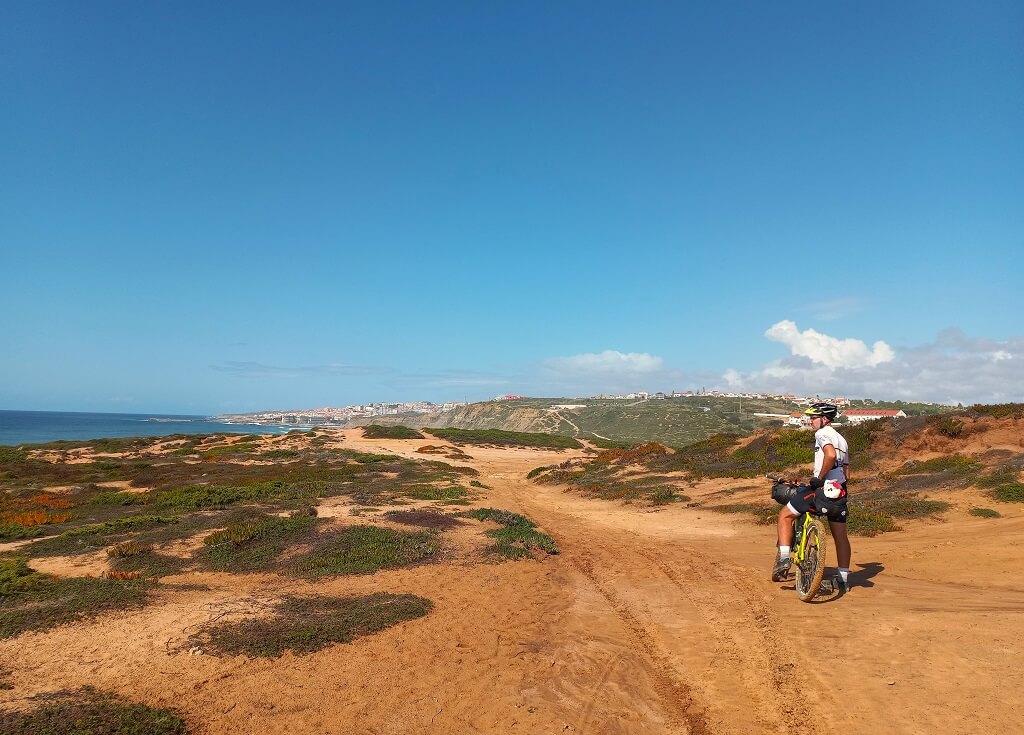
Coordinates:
column 648, row 622
column 928, row 640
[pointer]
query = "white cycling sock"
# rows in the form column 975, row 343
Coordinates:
column 845, row 574
column 783, row 552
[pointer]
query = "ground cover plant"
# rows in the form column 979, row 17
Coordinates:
column 85, row 539
column 765, row 515
column 423, row 518
column 363, row 550
column 255, row 544
column 305, row 625
column 497, row 437
column 145, row 564
column 182, row 497
column 517, row 538
column 1002, row 483
column 998, row 410
column 952, row 463
column 1011, row 492
column 30, row 600
column 878, row 508
column 376, row 431
column 612, row 475
column 985, row 513
column 88, row 711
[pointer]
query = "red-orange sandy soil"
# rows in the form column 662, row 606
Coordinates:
column 651, row 620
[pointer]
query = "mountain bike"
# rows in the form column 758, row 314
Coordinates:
column 809, row 550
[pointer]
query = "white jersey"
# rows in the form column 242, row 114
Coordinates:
column 828, row 435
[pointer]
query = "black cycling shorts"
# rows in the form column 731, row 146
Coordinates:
column 803, row 502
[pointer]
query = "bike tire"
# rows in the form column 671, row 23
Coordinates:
column 810, row 572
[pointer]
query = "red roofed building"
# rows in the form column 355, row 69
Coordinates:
column 859, row 415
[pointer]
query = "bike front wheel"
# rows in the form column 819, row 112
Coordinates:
column 810, row 571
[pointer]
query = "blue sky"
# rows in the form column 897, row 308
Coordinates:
column 207, row 209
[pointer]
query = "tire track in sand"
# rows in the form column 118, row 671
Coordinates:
column 681, row 704
column 742, row 626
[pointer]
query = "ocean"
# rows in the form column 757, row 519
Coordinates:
column 32, row 427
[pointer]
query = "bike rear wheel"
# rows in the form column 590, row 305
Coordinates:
column 810, row 571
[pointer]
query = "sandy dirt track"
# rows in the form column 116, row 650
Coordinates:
column 650, row 621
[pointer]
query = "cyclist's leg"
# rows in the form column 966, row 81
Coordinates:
column 786, row 517
column 842, row 541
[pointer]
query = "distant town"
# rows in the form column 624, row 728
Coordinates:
column 328, row 416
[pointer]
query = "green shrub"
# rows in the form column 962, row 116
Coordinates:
column 201, row 497
column 1000, row 410
column 365, row 549
column 305, row 625
column 666, row 495
column 280, row 454
column 88, row 538
column 228, row 450
column 126, row 549
column 866, row 522
column 518, row 537
column 33, row 601
column 775, row 451
column 91, row 712
column 117, row 498
column 947, row 425
column 255, row 544
column 10, row 455
column 764, row 515
column 376, row 431
column 953, row 463
column 18, row 531
column 859, row 437
column 118, row 445
column 365, row 458
column 428, row 492
column 985, row 513
column 1000, row 476
column 148, row 564
column 708, row 458
column 1011, row 492
column 898, row 505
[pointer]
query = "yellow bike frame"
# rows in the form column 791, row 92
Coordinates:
column 800, row 548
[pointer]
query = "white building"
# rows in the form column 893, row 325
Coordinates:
column 860, row 415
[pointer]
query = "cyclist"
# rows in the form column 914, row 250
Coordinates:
column 831, row 463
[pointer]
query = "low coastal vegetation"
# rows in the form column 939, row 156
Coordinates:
column 308, row 624
column 499, row 438
column 881, row 500
column 88, row 711
column 985, row 513
column 518, row 536
column 30, row 600
column 376, row 431
column 147, row 509
column 365, row 549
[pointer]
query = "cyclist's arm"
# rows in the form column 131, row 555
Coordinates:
column 828, row 461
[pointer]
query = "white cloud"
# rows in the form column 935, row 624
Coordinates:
column 609, row 361
column 829, row 351
column 954, row 368
column 609, row 371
